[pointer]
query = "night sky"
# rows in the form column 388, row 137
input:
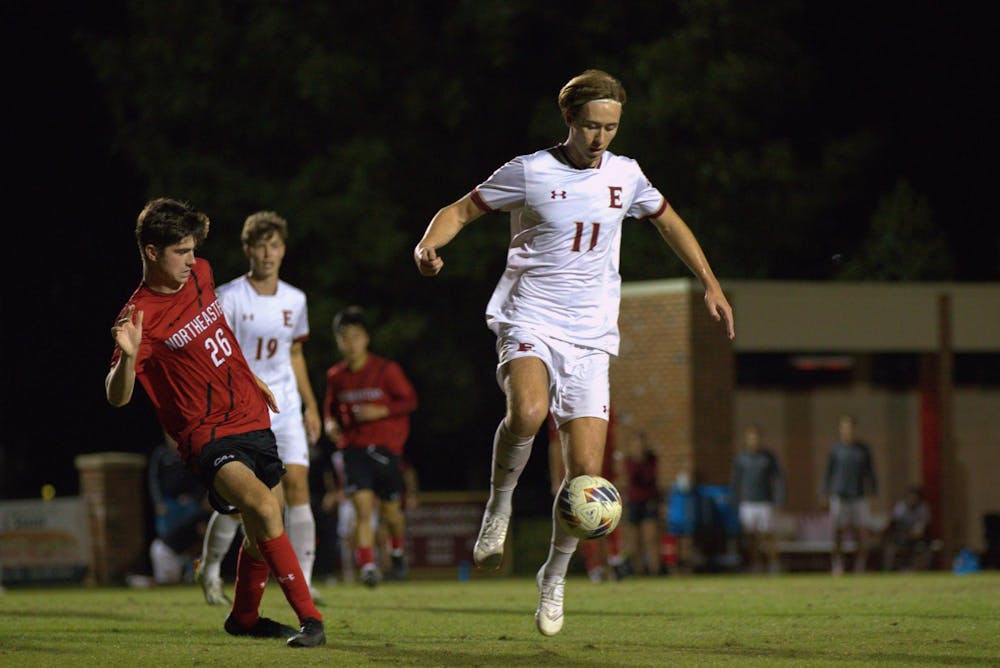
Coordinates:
column 926, row 72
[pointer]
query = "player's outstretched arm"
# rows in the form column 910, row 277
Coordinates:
column 680, row 238
column 443, row 227
column 127, row 334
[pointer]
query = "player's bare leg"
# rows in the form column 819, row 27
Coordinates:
column 583, row 442
column 266, row 551
column 526, row 385
column 364, row 501
column 394, row 524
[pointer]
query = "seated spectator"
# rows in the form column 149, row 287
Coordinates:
column 182, row 510
column 907, row 543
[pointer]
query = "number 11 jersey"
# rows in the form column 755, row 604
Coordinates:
column 562, row 277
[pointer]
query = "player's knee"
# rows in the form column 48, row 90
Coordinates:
column 526, row 416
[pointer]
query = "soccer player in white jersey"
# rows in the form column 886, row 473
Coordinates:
column 270, row 319
column 555, row 309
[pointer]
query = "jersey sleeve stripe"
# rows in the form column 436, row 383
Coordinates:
column 478, row 200
column 659, row 211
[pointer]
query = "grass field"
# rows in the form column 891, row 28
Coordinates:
column 936, row 619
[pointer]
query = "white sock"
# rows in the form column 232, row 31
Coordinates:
column 300, row 525
column 510, row 455
column 219, row 537
column 561, row 548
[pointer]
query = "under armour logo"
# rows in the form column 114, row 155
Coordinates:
column 287, row 578
column 561, row 193
column 605, row 409
column 247, row 316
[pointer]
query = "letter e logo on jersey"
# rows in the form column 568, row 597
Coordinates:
column 616, row 197
column 524, row 347
column 286, row 315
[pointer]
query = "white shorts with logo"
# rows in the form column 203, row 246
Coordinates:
column 578, row 376
column 757, row 516
column 850, row 512
column 290, row 434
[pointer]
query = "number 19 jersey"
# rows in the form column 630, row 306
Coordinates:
column 562, row 277
column 266, row 326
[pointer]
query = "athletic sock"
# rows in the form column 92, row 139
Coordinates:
column 510, row 455
column 300, row 525
column 396, row 546
column 280, row 557
column 364, row 556
column 219, row 535
column 561, row 548
column 251, row 576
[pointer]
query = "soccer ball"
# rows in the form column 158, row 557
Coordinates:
column 589, row 506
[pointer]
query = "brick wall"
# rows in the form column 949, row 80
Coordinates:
column 674, row 380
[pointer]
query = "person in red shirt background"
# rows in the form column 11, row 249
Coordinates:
column 366, row 414
column 642, row 505
column 602, row 557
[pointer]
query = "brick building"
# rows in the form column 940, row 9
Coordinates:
column 917, row 364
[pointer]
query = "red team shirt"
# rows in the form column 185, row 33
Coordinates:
column 190, row 364
column 379, row 381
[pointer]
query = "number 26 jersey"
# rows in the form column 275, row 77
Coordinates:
column 191, row 365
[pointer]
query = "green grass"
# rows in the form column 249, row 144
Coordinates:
column 936, row 619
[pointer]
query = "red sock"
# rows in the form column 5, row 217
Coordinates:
column 280, row 556
column 591, row 551
column 251, row 576
column 364, row 556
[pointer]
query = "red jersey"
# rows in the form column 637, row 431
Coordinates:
column 641, row 474
column 190, row 364
column 379, row 381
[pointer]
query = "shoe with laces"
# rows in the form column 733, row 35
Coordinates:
column 311, row 634
column 210, row 587
column 488, row 550
column 549, row 615
column 264, row 628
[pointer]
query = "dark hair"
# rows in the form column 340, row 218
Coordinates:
column 352, row 315
column 261, row 225
column 164, row 222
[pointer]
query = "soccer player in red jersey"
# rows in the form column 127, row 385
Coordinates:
column 366, row 413
column 173, row 337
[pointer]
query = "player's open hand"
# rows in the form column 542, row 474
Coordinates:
column 128, row 334
column 272, row 403
column 720, row 309
column 428, row 261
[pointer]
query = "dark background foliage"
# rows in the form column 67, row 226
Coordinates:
column 801, row 141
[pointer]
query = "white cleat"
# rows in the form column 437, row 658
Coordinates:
column 211, row 587
column 549, row 616
column 488, row 550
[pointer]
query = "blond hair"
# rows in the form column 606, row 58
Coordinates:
column 261, row 225
column 589, row 86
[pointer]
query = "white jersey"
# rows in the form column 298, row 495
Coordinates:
column 266, row 326
column 562, row 275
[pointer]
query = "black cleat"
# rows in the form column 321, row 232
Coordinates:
column 264, row 628
column 399, row 569
column 310, row 634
